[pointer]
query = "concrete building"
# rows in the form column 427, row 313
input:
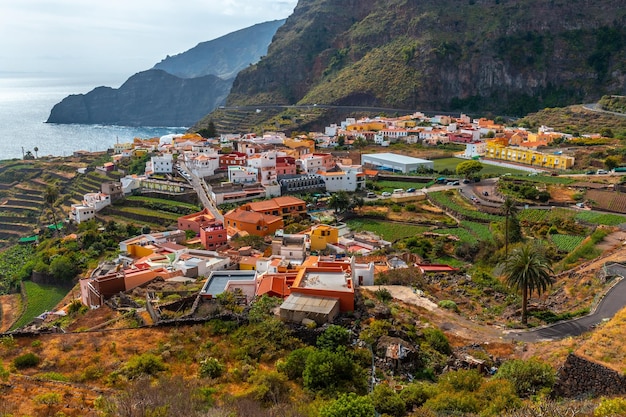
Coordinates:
column 315, row 162
column 221, row 281
column 253, row 223
column 299, row 184
column 474, row 149
column 556, row 160
column 396, row 163
column 242, row 174
column 163, row 164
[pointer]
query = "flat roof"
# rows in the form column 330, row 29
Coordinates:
column 403, row 159
column 217, row 281
column 335, row 281
column 309, row 303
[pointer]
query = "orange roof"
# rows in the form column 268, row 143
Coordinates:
column 253, row 217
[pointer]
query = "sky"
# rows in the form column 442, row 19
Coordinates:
column 117, row 38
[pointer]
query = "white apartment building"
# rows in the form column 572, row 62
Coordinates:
column 163, row 164
column 265, row 164
column 242, row 175
column 203, row 165
column 350, row 178
column 474, row 149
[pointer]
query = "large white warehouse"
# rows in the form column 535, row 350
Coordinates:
column 395, row 163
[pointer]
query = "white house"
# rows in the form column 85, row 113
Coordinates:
column 81, row 213
column 242, row 175
column 160, row 164
column 265, row 164
column 202, row 165
column 473, row 149
column 350, row 178
column 97, row 200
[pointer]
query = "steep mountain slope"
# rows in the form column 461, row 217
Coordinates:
column 149, row 98
column 224, row 56
column 507, row 56
column 178, row 91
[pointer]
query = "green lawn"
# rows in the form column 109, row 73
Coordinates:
column 451, row 163
column 163, row 201
column 387, row 230
column 39, row 298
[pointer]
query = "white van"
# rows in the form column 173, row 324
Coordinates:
column 398, row 191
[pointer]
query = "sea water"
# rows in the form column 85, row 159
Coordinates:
column 25, row 104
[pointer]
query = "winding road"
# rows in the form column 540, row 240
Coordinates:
column 609, row 305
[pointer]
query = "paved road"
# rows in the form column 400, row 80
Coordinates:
column 595, row 107
column 612, row 302
column 203, row 190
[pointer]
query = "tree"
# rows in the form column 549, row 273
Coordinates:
column 612, row 161
column 339, row 202
column 469, row 168
column 527, row 270
column 29, row 155
column 527, row 377
column 333, row 337
column 50, row 197
column 349, row 405
column 508, row 209
column 386, row 401
column 208, row 132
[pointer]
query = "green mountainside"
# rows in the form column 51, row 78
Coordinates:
column 504, row 56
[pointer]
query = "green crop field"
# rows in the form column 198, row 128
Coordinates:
column 566, row 243
column 387, row 230
column 451, row 163
column 163, row 201
column 39, row 299
column 606, row 219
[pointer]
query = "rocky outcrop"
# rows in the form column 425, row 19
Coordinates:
column 149, row 98
column 580, row 378
column 506, row 56
column 178, row 91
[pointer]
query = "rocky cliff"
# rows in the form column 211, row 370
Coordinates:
column 506, row 56
column 178, row 91
column 149, row 98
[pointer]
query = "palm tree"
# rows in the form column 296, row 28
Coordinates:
column 528, row 270
column 50, row 197
column 508, row 209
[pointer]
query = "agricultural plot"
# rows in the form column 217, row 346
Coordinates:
column 463, row 234
column 39, row 299
column 387, row 230
column 566, row 243
column 604, row 219
column 447, row 202
column 480, row 230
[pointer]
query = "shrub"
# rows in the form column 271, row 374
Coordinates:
column 349, row 405
column 528, row 377
column 448, row 305
column 333, row 337
column 369, row 303
column 211, row 368
column 383, row 295
column 145, row 364
column 4, row 374
column 497, row 397
column 610, row 407
column 326, row 370
column 294, row 365
column 453, row 403
column 387, row 401
column 437, row 340
column 461, row 380
column 270, row 387
column 416, row 394
column 27, row 360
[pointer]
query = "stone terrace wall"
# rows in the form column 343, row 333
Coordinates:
column 580, row 377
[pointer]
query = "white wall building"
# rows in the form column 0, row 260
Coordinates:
column 242, row 175
column 350, row 178
column 97, row 200
column 203, row 165
column 265, row 164
column 163, row 164
column 396, row 163
column 473, row 149
column 81, row 213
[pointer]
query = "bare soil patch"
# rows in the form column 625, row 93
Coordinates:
column 10, row 309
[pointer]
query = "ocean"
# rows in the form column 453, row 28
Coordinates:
column 25, row 104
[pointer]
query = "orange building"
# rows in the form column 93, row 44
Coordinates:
column 196, row 221
column 258, row 224
column 280, row 206
column 326, row 282
column 213, row 235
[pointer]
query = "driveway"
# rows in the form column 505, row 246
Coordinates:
column 612, row 302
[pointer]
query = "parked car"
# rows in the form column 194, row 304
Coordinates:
column 591, row 173
column 386, row 194
column 453, row 183
column 466, row 181
column 371, row 194
column 410, row 190
column 398, row 191
column 601, row 171
column 485, row 193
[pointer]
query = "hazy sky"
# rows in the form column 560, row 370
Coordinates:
column 117, row 37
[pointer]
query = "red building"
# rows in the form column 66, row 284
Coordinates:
column 213, row 236
column 232, row 159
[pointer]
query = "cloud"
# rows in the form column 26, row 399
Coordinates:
column 122, row 36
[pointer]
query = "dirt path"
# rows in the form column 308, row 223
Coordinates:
column 9, row 308
column 447, row 321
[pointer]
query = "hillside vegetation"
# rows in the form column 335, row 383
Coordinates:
column 507, row 57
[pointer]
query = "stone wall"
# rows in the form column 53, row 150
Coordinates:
column 580, row 377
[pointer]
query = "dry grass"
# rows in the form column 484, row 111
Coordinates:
column 607, row 345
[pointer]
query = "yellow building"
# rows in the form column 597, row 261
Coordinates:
column 321, row 235
column 300, row 143
column 496, row 150
column 366, row 126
